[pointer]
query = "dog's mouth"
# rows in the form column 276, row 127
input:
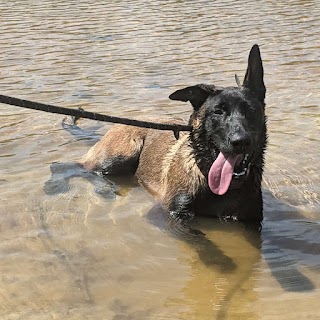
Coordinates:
column 228, row 171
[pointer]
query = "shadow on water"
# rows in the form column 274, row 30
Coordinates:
column 284, row 237
column 209, row 253
column 63, row 172
column 89, row 134
column 225, row 250
column 290, row 241
column 226, row 254
column 233, row 252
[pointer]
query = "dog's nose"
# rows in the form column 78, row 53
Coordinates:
column 240, row 142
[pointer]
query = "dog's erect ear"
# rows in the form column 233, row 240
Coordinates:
column 254, row 75
column 197, row 95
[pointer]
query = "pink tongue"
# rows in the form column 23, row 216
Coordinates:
column 220, row 174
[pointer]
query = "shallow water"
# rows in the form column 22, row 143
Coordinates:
column 81, row 255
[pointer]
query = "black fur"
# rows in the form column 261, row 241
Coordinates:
column 230, row 120
column 182, row 208
column 120, row 166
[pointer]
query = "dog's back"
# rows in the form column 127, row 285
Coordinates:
column 216, row 169
column 149, row 154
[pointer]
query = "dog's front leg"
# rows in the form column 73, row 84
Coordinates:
column 181, row 211
column 181, row 208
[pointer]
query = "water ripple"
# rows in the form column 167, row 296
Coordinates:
column 125, row 58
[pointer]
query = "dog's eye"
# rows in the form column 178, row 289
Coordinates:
column 218, row 112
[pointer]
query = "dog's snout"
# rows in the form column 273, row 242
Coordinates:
column 240, row 142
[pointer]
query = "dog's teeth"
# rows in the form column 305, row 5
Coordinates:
column 240, row 174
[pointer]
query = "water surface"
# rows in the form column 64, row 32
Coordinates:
column 81, row 255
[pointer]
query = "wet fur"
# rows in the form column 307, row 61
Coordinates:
column 230, row 119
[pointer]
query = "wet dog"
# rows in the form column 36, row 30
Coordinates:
column 214, row 170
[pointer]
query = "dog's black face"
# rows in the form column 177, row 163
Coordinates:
column 230, row 138
column 229, row 135
column 233, row 120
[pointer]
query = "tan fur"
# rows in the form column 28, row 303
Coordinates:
column 121, row 140
column 183, row 176
column 180, row 171
column 166, row 165
column 170, row 157
column 169, row 168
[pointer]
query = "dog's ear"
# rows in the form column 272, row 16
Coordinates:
column 197, row 95
column 254, row 75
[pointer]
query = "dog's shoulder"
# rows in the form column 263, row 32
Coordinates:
column 180, row 172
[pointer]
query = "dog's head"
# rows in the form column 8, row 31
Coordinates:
column 229, row 129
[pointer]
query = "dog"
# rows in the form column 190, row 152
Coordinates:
column 216, row 169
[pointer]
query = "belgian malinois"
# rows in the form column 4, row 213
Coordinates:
column 214, row 170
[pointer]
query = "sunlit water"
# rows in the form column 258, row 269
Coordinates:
column 79, row 255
